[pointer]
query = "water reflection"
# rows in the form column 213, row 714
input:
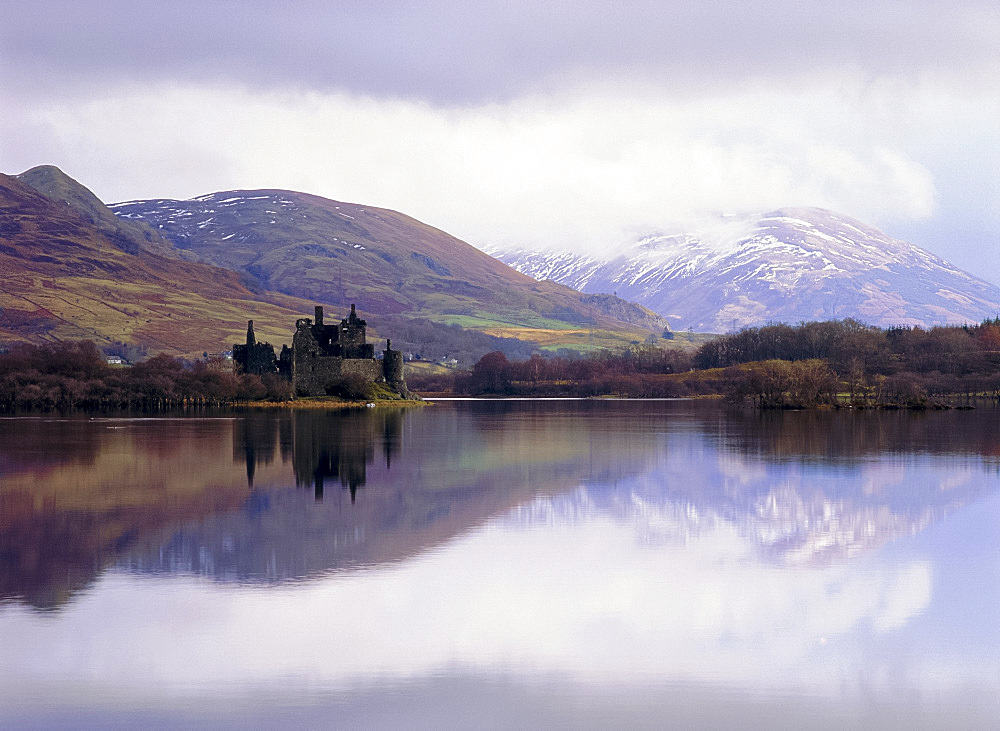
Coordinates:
column 846, row 436
column 258, row 439
column 429, row 478
column 76, row 493
column 78, row 496
column 677, row 561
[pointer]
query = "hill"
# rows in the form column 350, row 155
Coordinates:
column 129, row 236
column 384, row 261
column 64, row 276
column 789, row 265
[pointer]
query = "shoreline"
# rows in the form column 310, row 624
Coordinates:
column 332, row 403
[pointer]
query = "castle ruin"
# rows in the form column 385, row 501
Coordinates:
column 323, row 356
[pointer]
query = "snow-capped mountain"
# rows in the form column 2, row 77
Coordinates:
column 789, row 265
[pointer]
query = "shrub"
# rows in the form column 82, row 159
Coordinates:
column 352, row 386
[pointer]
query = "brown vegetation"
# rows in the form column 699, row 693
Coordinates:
column 777, row 366
column 641, row 371
column 77, row 375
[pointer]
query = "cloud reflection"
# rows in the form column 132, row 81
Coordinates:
column 691, row 550
column 580, row 593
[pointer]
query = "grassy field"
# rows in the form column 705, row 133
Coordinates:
column 175, row 321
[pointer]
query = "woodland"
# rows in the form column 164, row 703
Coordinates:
column 829, row 363
column 815, row 364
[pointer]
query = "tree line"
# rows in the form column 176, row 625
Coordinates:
column 846, row 361
column 841, row 362
column 638, row 371
column 69, row 375
column 774, row 366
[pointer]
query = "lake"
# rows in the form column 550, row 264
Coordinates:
column 502, row 563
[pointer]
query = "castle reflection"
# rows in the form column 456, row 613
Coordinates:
column 282, row 495
column 323, row 447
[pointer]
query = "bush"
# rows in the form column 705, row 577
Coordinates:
column 781, row 384
column 250, row 388
column 277, row 388
column 352, row 386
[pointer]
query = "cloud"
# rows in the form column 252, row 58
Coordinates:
column 470, row 53
column 583, row 170
column 557, row 124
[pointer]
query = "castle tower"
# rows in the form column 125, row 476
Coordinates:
column 253, row 357
column 319, row 314
column 392, row 369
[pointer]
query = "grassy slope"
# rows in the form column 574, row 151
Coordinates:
column 73, row 269
column 129, row 236
column 62, row 278
column 384, row 261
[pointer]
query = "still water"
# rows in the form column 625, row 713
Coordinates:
column 585, row 564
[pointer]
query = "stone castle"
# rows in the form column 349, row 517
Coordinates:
column 323, row 356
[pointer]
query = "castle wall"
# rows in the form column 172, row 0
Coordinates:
column 311, row 372
column 368, row 369
column 256, row 359
column 313, row 375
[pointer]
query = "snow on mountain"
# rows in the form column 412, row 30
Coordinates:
column 789, row 265
column 384, row 261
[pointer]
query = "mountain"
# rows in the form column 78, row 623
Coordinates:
column 66, row 274
column 129, row 236
column 385, row 262
column 790, row 265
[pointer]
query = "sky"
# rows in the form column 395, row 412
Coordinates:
column 557, row 124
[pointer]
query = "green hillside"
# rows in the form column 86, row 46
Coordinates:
column 385, row 262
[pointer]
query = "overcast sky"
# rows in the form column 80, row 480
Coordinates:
column 531, row 123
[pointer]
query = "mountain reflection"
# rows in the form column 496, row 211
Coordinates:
column 270, row 496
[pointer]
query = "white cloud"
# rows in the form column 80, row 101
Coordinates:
column 582, row 169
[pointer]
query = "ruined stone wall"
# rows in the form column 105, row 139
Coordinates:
column 352, row 344
column 253, row 357
column 368, row 369
column 310, row 371
column 322, row 356
column 313, row 372
column 257, row 359
column 314, row 375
